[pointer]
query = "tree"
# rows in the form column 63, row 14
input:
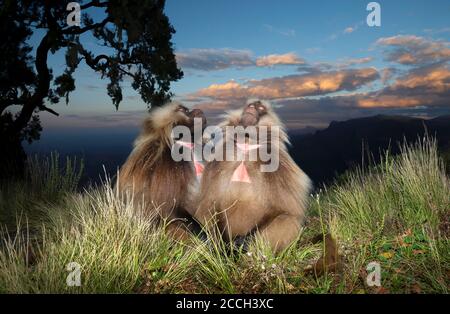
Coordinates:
column 136, row 32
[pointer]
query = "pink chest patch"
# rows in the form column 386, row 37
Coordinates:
column 197, row 165
column 198, row 168
column 241, row 174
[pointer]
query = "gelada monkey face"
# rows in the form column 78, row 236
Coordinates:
column 252, row 113
column 190, row 116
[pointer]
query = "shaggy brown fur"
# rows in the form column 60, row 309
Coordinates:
column 151, row 176
column 273, row 204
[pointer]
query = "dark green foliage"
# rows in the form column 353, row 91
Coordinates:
column 136, row 34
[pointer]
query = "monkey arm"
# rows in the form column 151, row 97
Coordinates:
column 281, row 231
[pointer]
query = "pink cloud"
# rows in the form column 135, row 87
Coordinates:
column 309, row 84
column 415, row 50
column 349, row 30
column 279, row 59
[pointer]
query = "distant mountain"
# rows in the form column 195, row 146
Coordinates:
column 101, row 149
column 329, row 152
column 322, row 154
column 303, row 131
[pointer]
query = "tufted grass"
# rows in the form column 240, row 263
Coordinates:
column 395, row 213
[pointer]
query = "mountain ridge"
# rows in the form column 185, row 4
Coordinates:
column 329, row 152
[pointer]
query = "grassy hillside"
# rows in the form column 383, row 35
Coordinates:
column 396, row 213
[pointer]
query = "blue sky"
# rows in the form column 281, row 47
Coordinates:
column 316, row 60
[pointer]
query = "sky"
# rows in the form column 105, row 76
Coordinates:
column 316, row 61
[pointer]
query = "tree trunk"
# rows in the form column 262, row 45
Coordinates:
column 41, row 92
column 12, row 162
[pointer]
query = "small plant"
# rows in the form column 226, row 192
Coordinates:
column 46, row 175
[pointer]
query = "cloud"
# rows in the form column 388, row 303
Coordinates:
column 313, row 84
column 431, row 79
column 288, row 32
column 125, row 119
column 214, row 59
column 303, row 112
column 313, row 50
column 427, row 85
column 414, row 50
column 91, row 87
column 279, row 59
column 344, row 63
column 401, row 40
column 223, row 58
column 349, row 30
column 387, row 74
column 437, row 31
column 325, row 91
column 424, row 90
column 309, row 84
column 346, row 31
column 333, row 66
column 230, row 89
column 350, row 62
column 389, row 101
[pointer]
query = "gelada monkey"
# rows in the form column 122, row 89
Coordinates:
column 150, row 174
column 241, row 199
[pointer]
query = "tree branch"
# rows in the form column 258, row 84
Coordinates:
column 93, row 62
column 94, row 3
column 76, row 30
column 45, row 108
column 127, row 72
